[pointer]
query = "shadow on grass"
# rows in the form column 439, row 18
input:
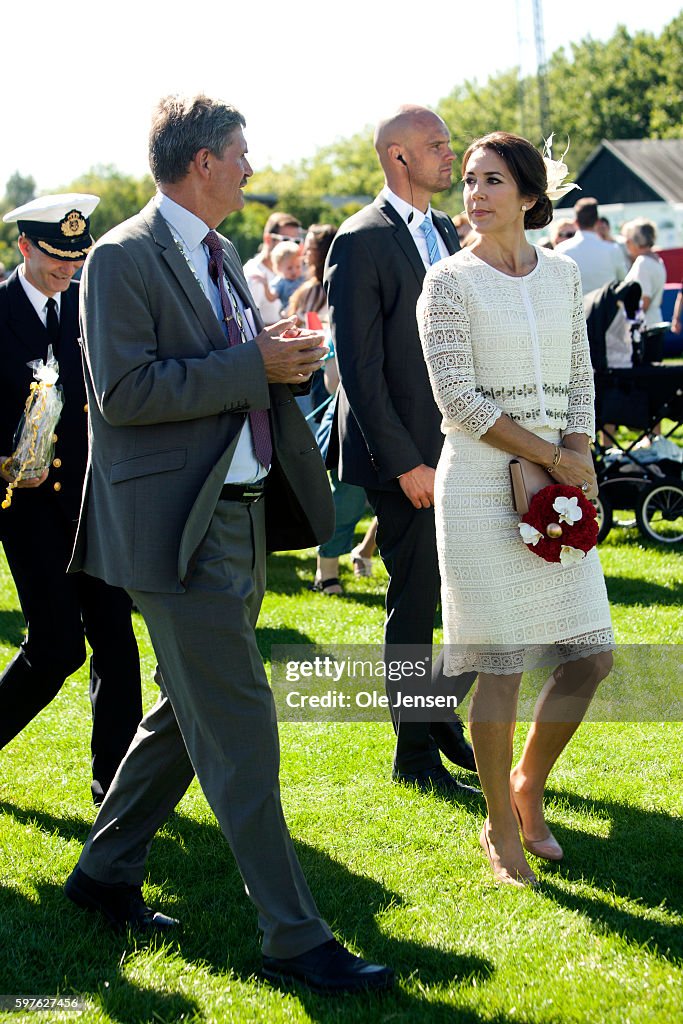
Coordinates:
column 638, row 861
column 12, row 627
column 284, row 578
column 56, row 945
column 39, row 938
column 634, row 591
column 266, row 636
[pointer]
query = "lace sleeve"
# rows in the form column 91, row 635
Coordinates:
column 444, row 326
column 581, row 411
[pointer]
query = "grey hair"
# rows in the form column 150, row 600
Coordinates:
column 181, row 126
column 641, row 232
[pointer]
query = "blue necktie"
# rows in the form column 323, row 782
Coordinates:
column 432, row 244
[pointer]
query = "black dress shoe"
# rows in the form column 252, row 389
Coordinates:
column 435, row 779
column 122, row 905
column 450, row 739
column 329, row 968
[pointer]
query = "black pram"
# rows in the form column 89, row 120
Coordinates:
column 645, row 475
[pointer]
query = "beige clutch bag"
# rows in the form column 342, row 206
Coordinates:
column 528, row 478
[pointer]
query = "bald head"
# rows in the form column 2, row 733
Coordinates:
column 402, row 128
column 413, row 146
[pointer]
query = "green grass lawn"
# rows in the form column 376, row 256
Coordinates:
column 399, row 875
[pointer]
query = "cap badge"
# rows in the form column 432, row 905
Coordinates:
column 73, row 224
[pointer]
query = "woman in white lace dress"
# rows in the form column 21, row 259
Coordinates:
column 505, row 343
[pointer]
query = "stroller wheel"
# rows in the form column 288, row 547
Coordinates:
column 660, row 512
column 604, row 510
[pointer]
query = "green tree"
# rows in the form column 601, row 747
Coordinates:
column 121, row 195
column 19, row 189
column 666, row 94
column 604, row 90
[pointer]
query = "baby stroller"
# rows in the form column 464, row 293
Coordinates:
column 639, row 483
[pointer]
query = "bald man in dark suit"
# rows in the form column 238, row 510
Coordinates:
column 389, row 436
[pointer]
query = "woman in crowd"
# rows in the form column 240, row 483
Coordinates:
column 350, row 505
column 310, row 298
column 505, row 343
column 647, row 268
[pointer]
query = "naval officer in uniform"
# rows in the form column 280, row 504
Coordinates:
column 38, row 307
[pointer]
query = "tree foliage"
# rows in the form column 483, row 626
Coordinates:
column 629, row 87
column 20, row 189
column 121, row 195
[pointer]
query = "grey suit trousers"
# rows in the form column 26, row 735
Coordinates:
column 215, row 718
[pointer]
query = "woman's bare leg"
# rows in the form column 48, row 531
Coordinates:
column 493, row 710
column 560, row 709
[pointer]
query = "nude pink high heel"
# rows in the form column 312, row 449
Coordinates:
column 547, row 849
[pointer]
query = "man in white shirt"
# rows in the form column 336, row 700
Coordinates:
column 599, row 262
column 195, row 437
column 280, row 227
column 388, row 426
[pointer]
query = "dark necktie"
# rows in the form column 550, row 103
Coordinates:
column 258, row 418
column 53, row 324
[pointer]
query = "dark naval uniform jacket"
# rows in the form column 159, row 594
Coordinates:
column 23, row 338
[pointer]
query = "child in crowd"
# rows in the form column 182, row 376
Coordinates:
column 287, row 262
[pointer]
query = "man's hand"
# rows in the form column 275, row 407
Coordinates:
column 290, row 355
column 418, row 486
column 32, row 481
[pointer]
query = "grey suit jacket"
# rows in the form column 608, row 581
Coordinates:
column 167, row 399
column 387, row 419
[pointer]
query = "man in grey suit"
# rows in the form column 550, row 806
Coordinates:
column 199, row 461
column 389, row 436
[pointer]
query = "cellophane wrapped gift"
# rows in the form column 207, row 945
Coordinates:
column 34, row 439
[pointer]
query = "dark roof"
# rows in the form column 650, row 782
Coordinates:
column 632, row 171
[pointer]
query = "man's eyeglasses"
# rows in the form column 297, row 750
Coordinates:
column 565, row 234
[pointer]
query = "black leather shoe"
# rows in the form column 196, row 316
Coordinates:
column 435, row 779
column 450, row 739
column 122, row 905
column 329, row 968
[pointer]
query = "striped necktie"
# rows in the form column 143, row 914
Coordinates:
column 430, row 237
column 258, row 418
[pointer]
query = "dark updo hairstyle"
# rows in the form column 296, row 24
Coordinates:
column 526, row 166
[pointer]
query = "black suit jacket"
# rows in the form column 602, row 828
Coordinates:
column 24, row 338
column 387, row 420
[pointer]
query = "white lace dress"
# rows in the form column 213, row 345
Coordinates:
column 493, row 344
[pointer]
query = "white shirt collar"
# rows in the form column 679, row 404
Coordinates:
column 191, row 229
column 404, row 209
column 37, row 298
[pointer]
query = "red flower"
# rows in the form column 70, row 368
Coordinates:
column 582, row 535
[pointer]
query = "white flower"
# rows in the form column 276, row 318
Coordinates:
column 557, row 171
column 568, row 509
column 570, row 555
column 530, row 534
column 46, row 372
